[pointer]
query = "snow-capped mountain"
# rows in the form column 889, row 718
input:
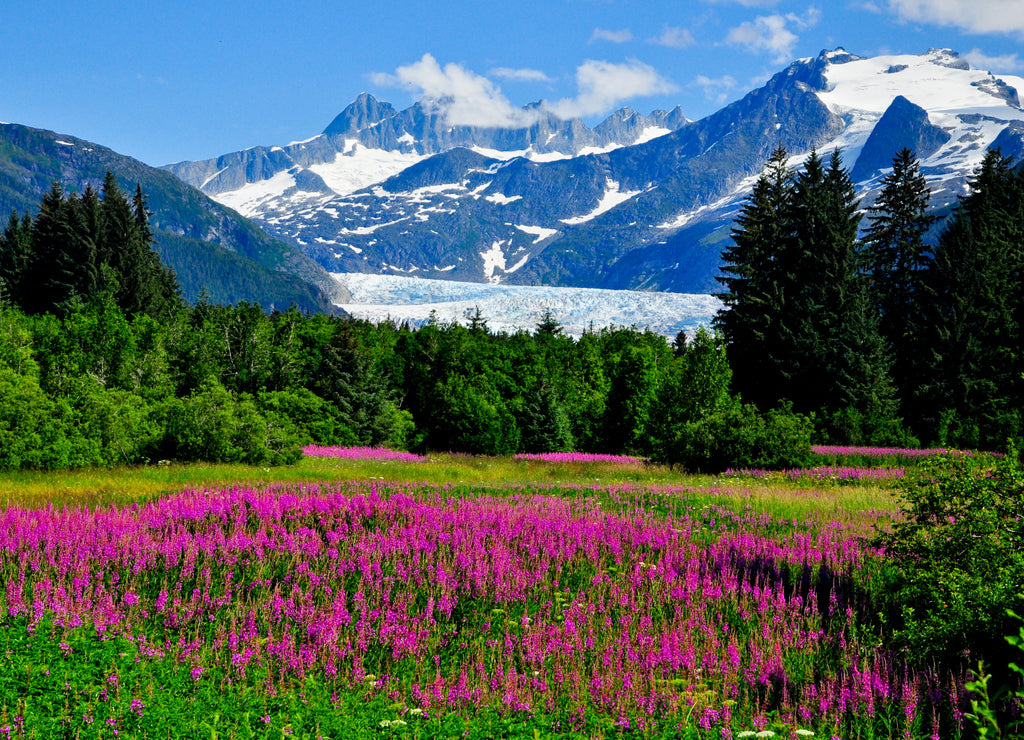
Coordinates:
column 370, row 141
column 637, row 202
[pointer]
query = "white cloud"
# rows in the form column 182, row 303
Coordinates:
column 997, row 65
column 772, row 34
column 466, row 98
column 674, row 37
column 520, row 75
column 603, row 85
column 717, row 88
column 976, row 16
column 616, row 37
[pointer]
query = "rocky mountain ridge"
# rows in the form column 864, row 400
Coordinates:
column 402, row 193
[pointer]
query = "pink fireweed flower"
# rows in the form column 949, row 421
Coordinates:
column 896, row 452
column 621, row 599
column 580, row 457
column 361, row 453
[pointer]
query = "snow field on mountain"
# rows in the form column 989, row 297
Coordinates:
column 611, row 198
column 860, row 91
column 358, row 167
column 514, row 307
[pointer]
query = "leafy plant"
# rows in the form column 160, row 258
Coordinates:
column 957, row 557
column 988, row 717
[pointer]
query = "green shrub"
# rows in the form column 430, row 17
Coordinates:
column 307, row 415
column 957, row 558
column 850, row 426
column 738, row 436
column 36, row 431
column 121, row 425
column 213, row 425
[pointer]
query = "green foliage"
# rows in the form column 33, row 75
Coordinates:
column 32, row 434
column 213, row 424
column 123, row 426
column 998, row 714
column 739, row 436
column 974, row 313
column 798, row 321
column 958, row 557
column 472, row 418
column 758, row 282
column 77, row 246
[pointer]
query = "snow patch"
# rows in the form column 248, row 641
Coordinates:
column 358, row 167
column 538, row 231
column 211, row 178
column 304, row 141
column 363, row 230
column 248, row 199
column 502, row 200
column 494, row 258
column 651, row 132
column 611, row 198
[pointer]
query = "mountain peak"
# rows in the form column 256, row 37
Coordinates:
column 838, row 55
column 903, row 125
column 361, row 113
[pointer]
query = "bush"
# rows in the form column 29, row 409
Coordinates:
column 851, row 426
column 121, row 425
column 738, row 436
column 32, row 431
column 213, row 425
column 957, row 558
column 308, row 416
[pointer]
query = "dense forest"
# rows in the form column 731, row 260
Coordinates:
column 883, row 336
column 830, row 332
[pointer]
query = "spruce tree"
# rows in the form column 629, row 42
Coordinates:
column 895, row 258
column 15, row 248
column 62, row 263
column 116, row 230
column 758, row 278
column 975, row 309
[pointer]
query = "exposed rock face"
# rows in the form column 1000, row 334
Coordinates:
column 902, row 126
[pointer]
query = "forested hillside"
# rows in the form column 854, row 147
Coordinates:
column 213, row 251
column 831, row 333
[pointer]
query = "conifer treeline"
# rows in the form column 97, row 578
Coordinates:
column 77, row 246
column 884, row 337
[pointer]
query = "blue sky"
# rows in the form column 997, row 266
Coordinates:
column 181, row 80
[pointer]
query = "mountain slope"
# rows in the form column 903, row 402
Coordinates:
column 208, row 245
column 458, row 203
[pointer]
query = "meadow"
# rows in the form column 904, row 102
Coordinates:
column 367, row 594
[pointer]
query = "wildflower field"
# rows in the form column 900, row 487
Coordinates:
column 381, row 606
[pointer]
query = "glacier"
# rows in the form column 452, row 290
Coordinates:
column 511, row 308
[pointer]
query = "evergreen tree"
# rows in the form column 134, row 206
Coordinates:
column 62, row 263
column 15, row 248
column 895, row 257
column 847, row 358
column 797, row 325
column 758, row 283
column 116, row 226
column 974, row 309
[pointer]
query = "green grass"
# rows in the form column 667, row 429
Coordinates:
column 126, row 485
